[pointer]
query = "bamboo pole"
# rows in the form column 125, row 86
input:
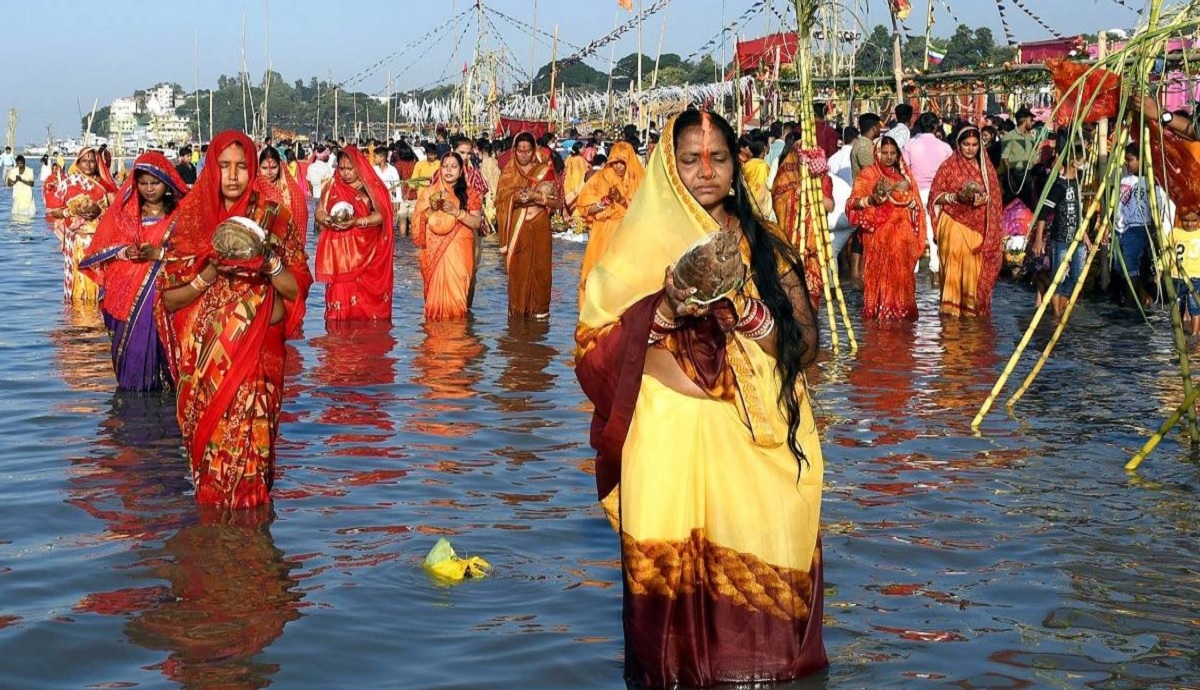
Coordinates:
column 1188, row 405
column 1105, row 227
column 1063, row 267
column 1062, row 323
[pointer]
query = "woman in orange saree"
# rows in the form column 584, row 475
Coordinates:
column 709, row 464
column 964, row 203
column 354, row 254
column 225, row 323
column 786, row 197
column 124, row 258
column 605, row 199
column 886, row 206
column 525, row 197
column 75, row 204
column 448, row 214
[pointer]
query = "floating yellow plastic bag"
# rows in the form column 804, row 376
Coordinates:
column 448, row 566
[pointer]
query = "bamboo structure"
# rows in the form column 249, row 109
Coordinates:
column 1135, row 61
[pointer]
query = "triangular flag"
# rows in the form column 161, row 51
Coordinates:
column 627, row 4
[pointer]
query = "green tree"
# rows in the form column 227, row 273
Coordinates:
column 874, row 55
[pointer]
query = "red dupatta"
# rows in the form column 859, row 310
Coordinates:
column 986, row 220
column 342, row 255
column 226, row 353
column 120, row 227
column 295, row 196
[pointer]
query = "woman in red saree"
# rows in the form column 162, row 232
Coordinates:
column 604, row 200
column 448, row 214
column 525, row 197
column 225, row 325
column 886, row 206
column 124, row 258
column 709, row 463
column 786, row 197
column 964, row 203
column 279, row 173
column 75, row 204
column 354, row 255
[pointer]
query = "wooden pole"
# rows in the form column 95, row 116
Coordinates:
column 640, row 105
column 1187, row 406
column 897, row 63
column 928, row 35
column 551, row 104
column 533, row 70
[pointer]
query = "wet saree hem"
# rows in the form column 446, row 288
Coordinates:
column 698, row 614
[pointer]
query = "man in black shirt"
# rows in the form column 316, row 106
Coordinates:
column 1059, row 222
column 184, row 167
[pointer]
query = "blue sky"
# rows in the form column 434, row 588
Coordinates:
column 66, row 53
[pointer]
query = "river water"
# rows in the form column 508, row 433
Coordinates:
column 1024, row 557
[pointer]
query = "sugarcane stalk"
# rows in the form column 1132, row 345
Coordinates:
column 1105, row 227
column 1062, row 323
column 1188, row 405
column 1180, row 338
column 1060, row 273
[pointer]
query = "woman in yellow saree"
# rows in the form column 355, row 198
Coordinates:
column 964, row 203
column 605, row 199
column 708, row 460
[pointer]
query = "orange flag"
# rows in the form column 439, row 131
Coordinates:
column 627, row 4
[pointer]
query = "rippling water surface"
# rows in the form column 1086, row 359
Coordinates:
column 1024, row 557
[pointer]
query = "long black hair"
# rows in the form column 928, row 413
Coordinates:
column 767, row 250
column 460, row 185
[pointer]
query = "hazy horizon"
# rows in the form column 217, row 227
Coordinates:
column 94, row 50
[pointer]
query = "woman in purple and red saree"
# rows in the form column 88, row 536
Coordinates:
column 709, row 464
column 124, row 259
column 225, row 322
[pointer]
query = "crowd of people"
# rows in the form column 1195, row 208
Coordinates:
column 704, row 392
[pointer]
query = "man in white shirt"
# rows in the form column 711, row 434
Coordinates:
column 901, row 132
column 839, row 162
column 388, row 173
column 319, row 171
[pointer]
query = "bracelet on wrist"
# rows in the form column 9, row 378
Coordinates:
column 200, row 283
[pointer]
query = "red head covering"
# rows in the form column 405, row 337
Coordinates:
column 296, row 196
column 204, row 209
column 106, row 177
column 381, row 199
column 121, row 226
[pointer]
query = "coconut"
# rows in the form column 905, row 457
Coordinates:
column 713, row 266
column 83, row 206
column 239, row 239
column 341, row 212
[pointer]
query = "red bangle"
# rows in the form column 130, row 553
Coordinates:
column 757, row 323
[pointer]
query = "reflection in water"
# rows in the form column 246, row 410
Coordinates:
column 137, row 483
column 881, row 379
column 967, row 366
column 230, row 594
column 445, row 364
column 82, row 355
column 527, row 358
column 354, row 363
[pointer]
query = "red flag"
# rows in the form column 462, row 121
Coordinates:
column 553, row 101
column 627, row 4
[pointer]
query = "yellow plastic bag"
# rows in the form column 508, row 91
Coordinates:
column 446, row 565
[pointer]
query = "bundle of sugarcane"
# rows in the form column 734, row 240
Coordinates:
column 811, row 202
column 1097, row 93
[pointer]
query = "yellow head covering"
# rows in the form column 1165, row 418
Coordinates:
column 663, row 221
